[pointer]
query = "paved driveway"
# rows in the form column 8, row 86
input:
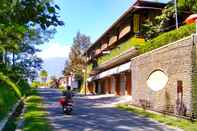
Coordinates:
column 89, row 116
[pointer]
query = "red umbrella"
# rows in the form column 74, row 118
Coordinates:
column 191, row 19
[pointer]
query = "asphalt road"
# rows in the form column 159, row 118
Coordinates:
column 89, row 116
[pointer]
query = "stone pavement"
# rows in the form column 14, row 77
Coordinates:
column 91, row 114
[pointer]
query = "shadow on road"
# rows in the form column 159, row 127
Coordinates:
column 89, row 116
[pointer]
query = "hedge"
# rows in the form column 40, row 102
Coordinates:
column 167, row 38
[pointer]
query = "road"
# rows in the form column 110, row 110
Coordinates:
column 89, row 116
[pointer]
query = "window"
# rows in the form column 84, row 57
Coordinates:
column 157, row 80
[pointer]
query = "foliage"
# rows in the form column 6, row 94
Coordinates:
column 76, row 62
column 149, row 29
column 24, row 25
column 35, row 84
column 188, row 5
column 152, row 28
column 164, row 22
column 43, row 76
column 132, row 42
column 166, row 19
column 7, row 99
column 54, row 82
column 24, row 87
column 10, row 92
column 167, row 38
column 168, row 120
column 10, row 84
column 35, row 115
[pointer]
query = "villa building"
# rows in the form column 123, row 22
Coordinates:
column 161, row 79
column 68, row 80
column 109, row 57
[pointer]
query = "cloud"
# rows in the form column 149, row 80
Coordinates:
column 54, row 50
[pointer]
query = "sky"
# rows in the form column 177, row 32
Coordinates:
column 90, row 17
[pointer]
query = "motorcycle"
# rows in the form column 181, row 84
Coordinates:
column 67, row 106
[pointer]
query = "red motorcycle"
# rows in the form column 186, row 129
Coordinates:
column 67, row 105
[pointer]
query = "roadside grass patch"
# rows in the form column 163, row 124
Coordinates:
column 35, row 115
column 166, row 119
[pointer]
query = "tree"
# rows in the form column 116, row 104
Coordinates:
column 43, row 76
column 187, row 5
column 24, row 25
column 164, row 21
column 76, row 62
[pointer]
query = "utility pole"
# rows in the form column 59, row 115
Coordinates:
column 176, row 14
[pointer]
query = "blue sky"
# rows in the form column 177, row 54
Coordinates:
column 90, row 17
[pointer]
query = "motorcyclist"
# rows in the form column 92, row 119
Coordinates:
column 68, row 95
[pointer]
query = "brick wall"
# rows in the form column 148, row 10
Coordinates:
column 175, row 60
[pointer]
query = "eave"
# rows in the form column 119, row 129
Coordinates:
column 139, row 4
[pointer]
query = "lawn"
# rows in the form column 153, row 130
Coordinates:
column 168, row 120
column 35, row 115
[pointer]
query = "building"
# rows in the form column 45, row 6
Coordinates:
column 68, row 80
column 109, row 57
column 161, row 80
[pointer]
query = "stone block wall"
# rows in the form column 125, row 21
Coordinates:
column 194, row 76
column 175, row 60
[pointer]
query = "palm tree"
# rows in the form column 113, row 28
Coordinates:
column 43, row 76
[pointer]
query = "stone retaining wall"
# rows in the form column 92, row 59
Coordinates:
column 175, row 60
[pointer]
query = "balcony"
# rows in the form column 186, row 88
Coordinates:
column 120, row 49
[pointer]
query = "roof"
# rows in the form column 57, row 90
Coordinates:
column 138, row 4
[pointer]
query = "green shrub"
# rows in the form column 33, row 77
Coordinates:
column 7, row 99
column 24, row 87
column 10, row 92
column 167, row 38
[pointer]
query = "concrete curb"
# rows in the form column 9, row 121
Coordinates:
column 20, row 123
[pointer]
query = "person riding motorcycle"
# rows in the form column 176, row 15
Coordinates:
column 68, row 95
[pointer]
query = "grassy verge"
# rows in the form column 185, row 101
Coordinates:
column 35, row 116
column 168, row 120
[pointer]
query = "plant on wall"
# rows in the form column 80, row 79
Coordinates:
column 149, row 29
column 152, row 28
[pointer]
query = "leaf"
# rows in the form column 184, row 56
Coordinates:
column 51, row 9
column 57, row 7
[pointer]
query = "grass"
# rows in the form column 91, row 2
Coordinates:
column 35, row 115
column 168, row 120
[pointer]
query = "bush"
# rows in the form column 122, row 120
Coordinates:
column 167, row 38
column 7, row 99
column 24, row 87
column 10, row 92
